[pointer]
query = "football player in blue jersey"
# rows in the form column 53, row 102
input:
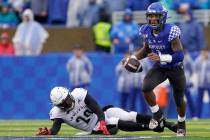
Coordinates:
column 162, row 45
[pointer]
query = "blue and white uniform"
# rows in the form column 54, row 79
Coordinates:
column 161, row 43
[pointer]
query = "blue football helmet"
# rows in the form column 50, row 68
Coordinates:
column 158, row 11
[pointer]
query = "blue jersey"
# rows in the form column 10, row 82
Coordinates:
column 162, row 42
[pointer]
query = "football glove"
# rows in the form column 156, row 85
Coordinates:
column 44, row 131
column 103, row 128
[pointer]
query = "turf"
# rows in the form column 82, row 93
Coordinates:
column 196, row 130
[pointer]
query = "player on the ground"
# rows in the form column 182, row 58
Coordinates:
column 79, row 110
column 162, row 45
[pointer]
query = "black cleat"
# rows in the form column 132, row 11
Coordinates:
column 157, row 123
column 171, row 126
column 181, row 129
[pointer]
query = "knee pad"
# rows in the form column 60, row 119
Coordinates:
column 112, row 121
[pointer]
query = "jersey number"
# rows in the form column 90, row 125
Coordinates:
column 85, row 116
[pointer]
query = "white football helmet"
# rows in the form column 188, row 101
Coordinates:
column 60, row 96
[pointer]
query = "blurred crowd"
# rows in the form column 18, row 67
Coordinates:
column 32, row 16
column 74, row 13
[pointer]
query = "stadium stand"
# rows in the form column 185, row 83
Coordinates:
column 139, row 16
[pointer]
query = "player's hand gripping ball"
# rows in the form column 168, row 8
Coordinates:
column 132, row 64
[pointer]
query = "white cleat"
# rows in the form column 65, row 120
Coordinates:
column 181, row 133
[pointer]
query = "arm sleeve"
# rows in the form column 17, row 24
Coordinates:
column 56, row 126
column 178, row 56
column 94, row 106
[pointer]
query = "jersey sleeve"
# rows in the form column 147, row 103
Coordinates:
column 174, row 33
column 55, row 112
column 79, row 93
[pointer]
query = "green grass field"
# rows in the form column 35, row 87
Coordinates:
column 196, row 130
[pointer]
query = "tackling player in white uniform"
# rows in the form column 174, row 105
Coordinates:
column 79, row 110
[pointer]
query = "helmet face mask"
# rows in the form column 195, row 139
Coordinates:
column 153, row 19
column 67, row 104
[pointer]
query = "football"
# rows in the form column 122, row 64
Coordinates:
column 132, row 65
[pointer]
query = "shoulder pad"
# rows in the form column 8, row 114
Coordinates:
column 79, row 93
column 142, row 29
column 174, row 33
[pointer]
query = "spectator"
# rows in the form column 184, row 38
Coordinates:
column 114, row 5
column 192, row 33
column 18, row 6
column 124, row 85
column 74, row 8
column 57, row 11
column 136, row 91
column 202, row 69
column 39, row 7
column 6, row 47
column 30, row 36
column 90, row 15
column 80, row 68
column 182, row 5
column 7, row 16
column 188, row 65
column 137, row 5
column 124, row 33
column 102, row 33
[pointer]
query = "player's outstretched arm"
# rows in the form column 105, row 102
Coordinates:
column 54, row 130
column 56, row 126
column 94, row 106
column 131, row 63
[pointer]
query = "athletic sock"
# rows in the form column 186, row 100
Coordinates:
column 154, row 108
column 181, row 119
